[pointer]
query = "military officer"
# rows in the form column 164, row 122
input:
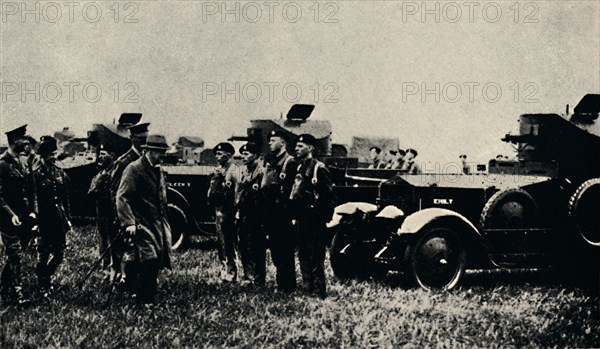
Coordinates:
column 142, row 212
column 410, row 165
column 100, row 190
column 19, row 207
column 312, row 204
column 28, row 160
column 221, row 195
column 276, row 186
column 398, row 160
column 252, row 237
column 377, row 158
column 138, row 134
column 54, row 222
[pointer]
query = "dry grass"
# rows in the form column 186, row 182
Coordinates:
column 490, row 310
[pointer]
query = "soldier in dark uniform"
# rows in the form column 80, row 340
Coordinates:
column 29, row 160
column 18, row 214
column 138, row 134
column 252, row 237
column 142, row 211
column 54, row 222
column 398, row 160
column 377, row 158
column 221, row 195
column 100, row 190
column 276, row 186
column 312, row 202
column 410, row 165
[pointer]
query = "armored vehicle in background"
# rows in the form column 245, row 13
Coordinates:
column 81, row 166
column 538, row 211
column 189, row 209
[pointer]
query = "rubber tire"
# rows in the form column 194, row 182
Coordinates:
column 518, row 196
column 429, row 236
column 179, row 223
column 574, row 208
column 341, row 264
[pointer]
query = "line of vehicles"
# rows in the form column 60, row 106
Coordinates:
column 537, row 211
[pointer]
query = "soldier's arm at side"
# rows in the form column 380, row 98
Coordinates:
column 325, row 182
column 125, row 196
column 5, row 207
column 290, row 173
column 32, row 188
column 66, row 195
column 115, row 178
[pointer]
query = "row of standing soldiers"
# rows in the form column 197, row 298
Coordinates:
column 278, row 201
column 34, row 202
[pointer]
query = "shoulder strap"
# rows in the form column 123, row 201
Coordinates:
column 317, row 165
column 286, row 162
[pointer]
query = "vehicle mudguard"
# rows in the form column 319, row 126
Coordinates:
column 176, row 198
column 467, row 232
column 349, row 208
column 416, row 221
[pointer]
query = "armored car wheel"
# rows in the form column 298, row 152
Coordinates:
column 178, row 222
column 509, row 209
column 340, row 262
column 438, row 259
column 584, row 209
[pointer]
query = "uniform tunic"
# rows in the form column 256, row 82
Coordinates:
column 276, row 186
column 221, row 194
column 312, row 206
column 100, row 189
column 53, row 203
column 252, row 237
column 17, row 197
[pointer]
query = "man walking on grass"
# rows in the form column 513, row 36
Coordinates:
column 142, row 212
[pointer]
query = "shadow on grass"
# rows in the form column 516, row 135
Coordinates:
column 491, row 279
column 182, row 293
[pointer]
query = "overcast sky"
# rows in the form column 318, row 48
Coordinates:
column 368, row 60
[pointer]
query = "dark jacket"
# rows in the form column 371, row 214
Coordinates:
column 53, row 198
column 221, row 190
column 278, row 179
column 312, row 193
column 142, row 199
column 247, row 190
column 100, row 189
column 17, row 191
column 118, row 167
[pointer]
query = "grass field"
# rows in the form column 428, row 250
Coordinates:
column 489, row 310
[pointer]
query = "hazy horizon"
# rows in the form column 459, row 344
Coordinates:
column 540, row 56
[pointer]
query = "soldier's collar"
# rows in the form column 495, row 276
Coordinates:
column 12, row 154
